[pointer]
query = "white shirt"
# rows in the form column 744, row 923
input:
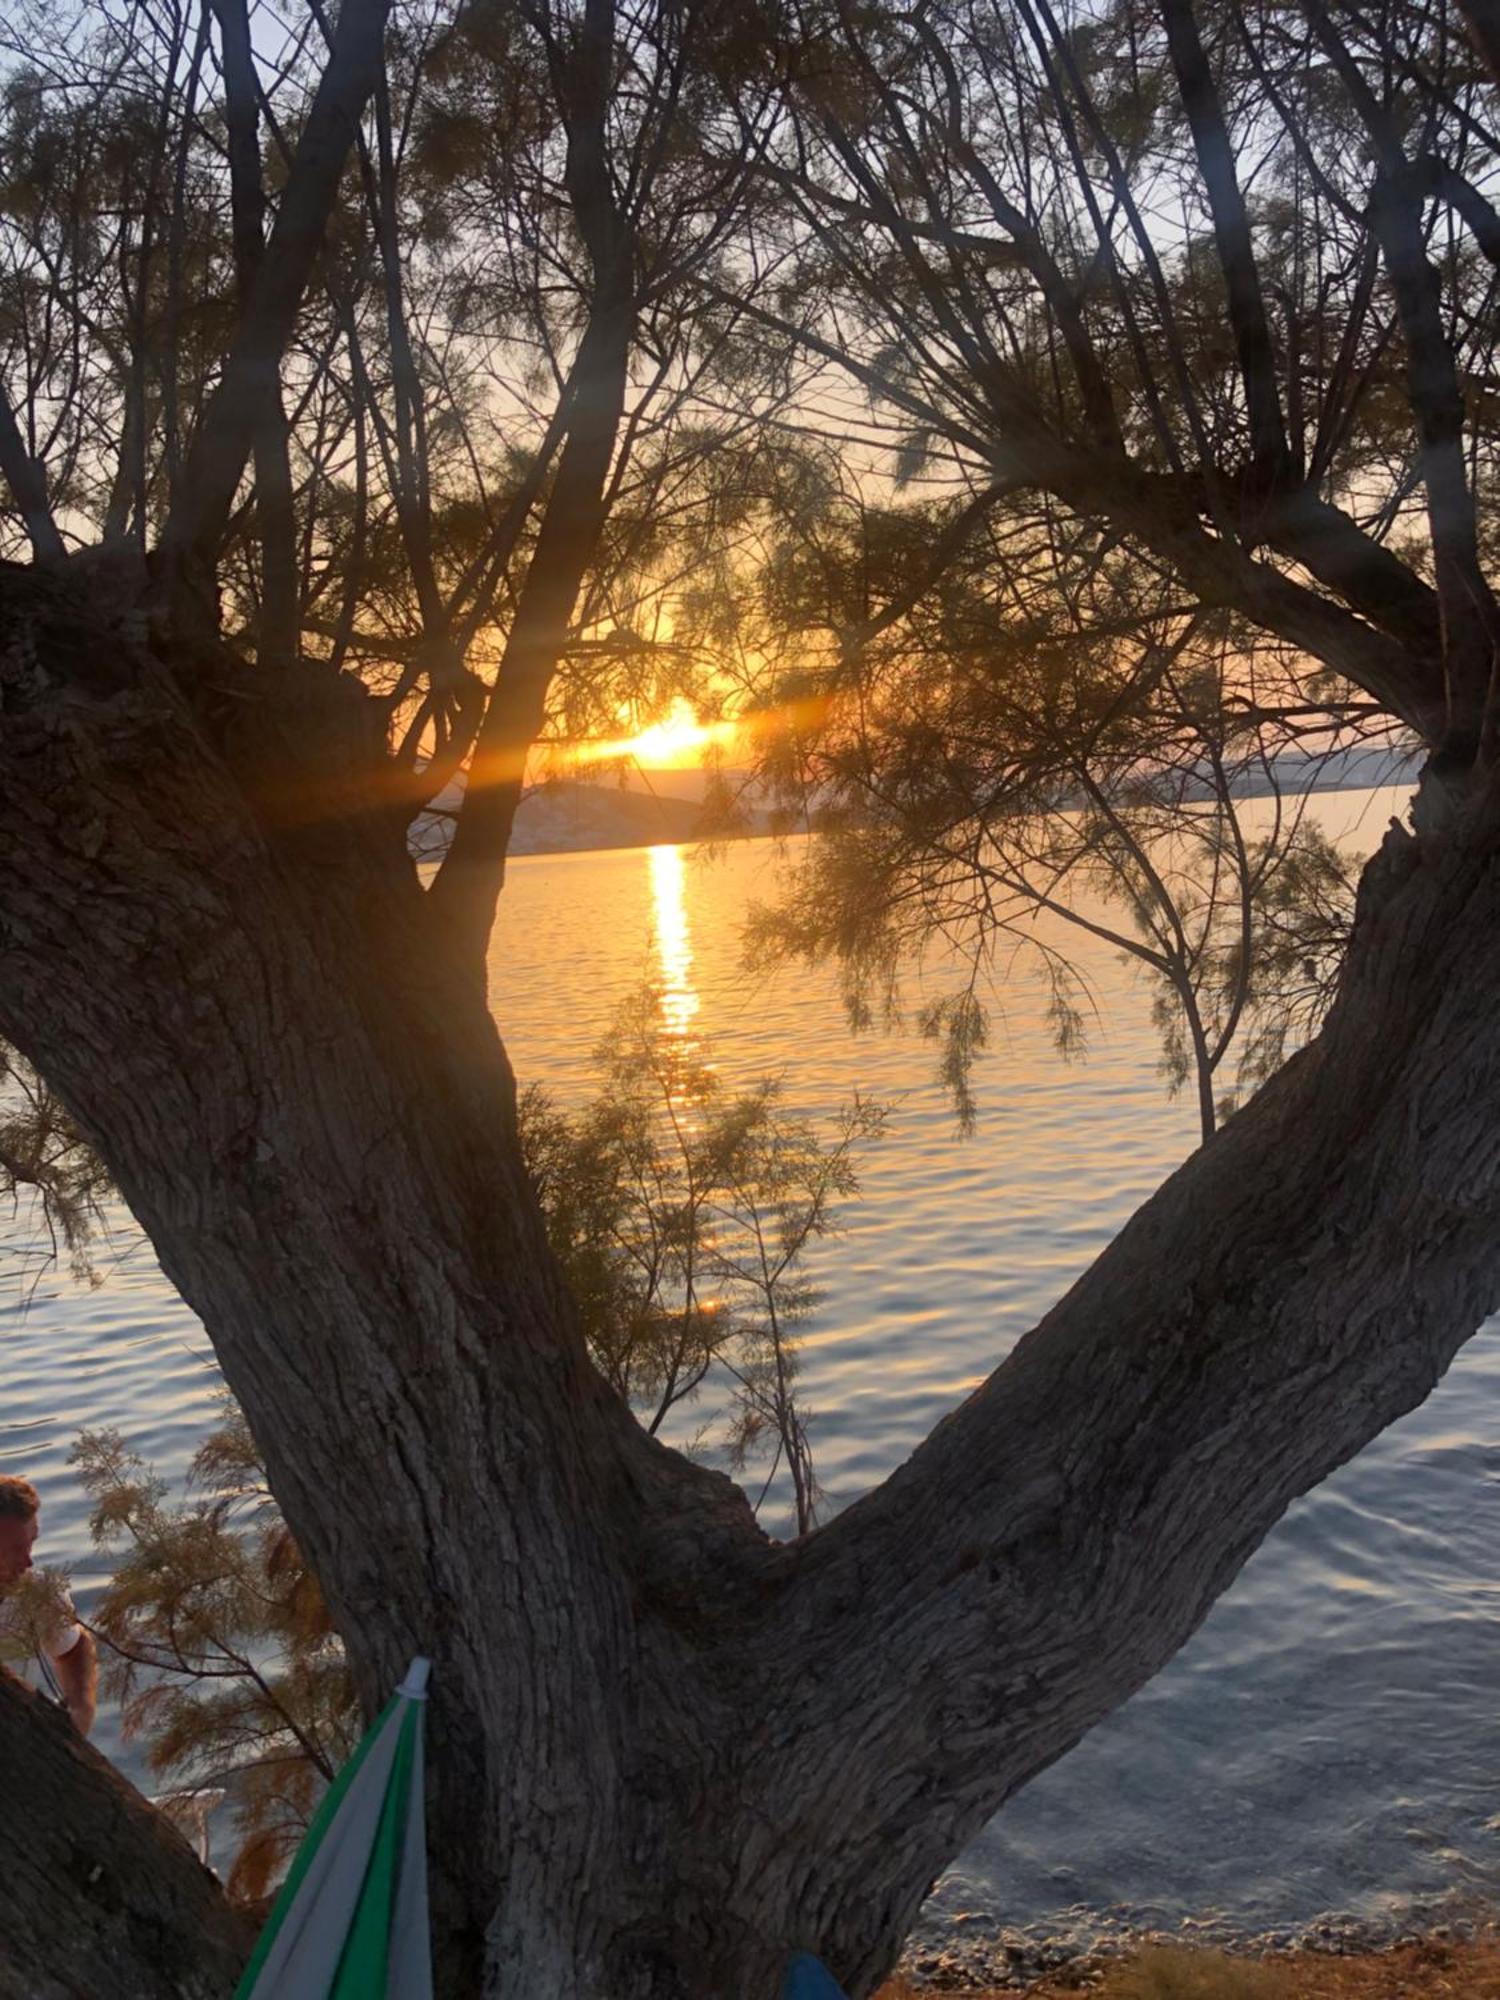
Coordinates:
column 67, row 1640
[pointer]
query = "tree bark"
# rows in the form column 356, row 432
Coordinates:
column 99, row 1893
column 27, row 480
column 666, row 1752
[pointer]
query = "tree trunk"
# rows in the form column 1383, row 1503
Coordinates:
column 666, row 1752
column 99, row 1895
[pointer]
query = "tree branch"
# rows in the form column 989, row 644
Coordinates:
column 103, row 1895
column 200, row 510
column 1058, row 1536
column 1247, row 310
column 1470, row 613
column 279, row 630
column 28, row 485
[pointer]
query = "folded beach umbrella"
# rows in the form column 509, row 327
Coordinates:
column 808, row 1979
column 351, row 1920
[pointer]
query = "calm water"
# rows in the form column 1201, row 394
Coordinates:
column 1330, row 1740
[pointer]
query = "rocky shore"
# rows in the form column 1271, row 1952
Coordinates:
column 1457, row 1961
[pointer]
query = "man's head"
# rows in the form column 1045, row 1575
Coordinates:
column 19, row 1507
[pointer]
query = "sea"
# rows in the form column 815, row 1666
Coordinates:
column 1322, row 1759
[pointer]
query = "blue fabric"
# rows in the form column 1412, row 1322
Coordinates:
column 807, row 1980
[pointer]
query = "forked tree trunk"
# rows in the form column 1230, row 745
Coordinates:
column 665, row 1751
column 99, row 1895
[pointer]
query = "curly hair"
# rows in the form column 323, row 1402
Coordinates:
column 19, row 1500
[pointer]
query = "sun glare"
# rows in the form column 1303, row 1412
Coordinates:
column 679, row 740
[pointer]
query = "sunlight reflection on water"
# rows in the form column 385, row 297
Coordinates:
column 674, row 944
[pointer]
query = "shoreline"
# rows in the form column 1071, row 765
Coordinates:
column 1457, row 1960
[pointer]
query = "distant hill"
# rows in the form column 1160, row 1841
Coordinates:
column 563, row 818
column 569, row 818
column 1360, row 768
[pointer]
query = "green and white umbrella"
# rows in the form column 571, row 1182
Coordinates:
column 351, row 1920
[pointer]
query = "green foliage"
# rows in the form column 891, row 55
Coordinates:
column 1034, row 700
column 960, row 1024
column 1264, row 927
column 1045, row 746
column 217, row 1643
column 43, row 1155
column 1302, row 920
column 681, row 1215
column 34, row 1613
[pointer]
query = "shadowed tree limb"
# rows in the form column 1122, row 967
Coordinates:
column 1247, row 308
column 1483, row 17
column 278, row 627
column 100, row 1895
column 28, row 485
column 200, row 509
column 1470, row 613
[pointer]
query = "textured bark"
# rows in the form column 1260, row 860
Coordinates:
column 251, row 1009
column 665, row 1751
column 99, row 1895
column 473, row 870
column 1302, row 1280
column 1363, row 572
column 472, row 874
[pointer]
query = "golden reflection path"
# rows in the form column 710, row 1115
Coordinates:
column 674, row 942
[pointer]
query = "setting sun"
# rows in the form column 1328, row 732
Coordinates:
column 677, row 741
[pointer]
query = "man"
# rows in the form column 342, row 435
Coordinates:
column 74, row 1658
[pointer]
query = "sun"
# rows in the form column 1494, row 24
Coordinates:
column 677, row 741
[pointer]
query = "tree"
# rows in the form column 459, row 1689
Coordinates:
column 680, row 1219
column 664, row 1750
